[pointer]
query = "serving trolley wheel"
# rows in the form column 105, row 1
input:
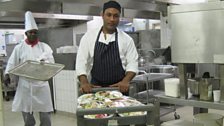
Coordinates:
column 176, row 116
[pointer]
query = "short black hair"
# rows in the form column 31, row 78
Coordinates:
column 112, row 4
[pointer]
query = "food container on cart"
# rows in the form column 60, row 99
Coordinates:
column 37, row 70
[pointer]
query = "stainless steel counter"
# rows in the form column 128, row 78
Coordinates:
column 195, row 102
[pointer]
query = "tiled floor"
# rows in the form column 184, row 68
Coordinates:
column 186, row 113
column 65, row 119
column 15, row 118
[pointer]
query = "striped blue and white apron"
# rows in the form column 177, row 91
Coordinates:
column 107, row 66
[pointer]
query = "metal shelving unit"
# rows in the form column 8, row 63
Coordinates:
column 148, row 95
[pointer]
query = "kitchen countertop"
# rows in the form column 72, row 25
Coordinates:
column 193, row 101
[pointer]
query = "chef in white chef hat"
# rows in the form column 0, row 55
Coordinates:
column 31, row 31
column 31, row 95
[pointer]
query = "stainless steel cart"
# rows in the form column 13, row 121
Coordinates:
column 150, row 119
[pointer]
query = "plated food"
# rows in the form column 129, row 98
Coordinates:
column 107, row 99
column 132, row 114
column 108, row 94
column 98, row 116
column 92, row 104
column 85, row 98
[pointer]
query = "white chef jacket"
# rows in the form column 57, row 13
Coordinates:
column 31, row 95
column 127, row 50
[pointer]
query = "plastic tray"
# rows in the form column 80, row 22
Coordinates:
column 37, row 70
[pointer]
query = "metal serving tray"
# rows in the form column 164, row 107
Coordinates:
column 37, row 70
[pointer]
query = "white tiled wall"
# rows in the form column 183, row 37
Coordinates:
column 1, row 106
column 65, row 91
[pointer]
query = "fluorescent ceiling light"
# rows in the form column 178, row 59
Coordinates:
column 189, row 1
column 183, row 1
column 5, row 0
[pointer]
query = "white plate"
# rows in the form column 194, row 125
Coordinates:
column 115, row 95
column 86, row 98
column 108, row 94
column 132, row 114
column 95, row 116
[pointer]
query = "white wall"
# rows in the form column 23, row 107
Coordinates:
column 79, row 29
column 1, row 107
column 65, row 91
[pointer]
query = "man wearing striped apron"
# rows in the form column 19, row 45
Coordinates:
column 108, row 53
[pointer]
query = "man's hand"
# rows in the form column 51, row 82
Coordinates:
column 122, row 85
column 87, row 87
column 7, row 80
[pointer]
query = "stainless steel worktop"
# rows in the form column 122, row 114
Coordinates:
column 193, row 101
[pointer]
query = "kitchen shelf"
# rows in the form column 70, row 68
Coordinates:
column 149, row 94
column 164, row 109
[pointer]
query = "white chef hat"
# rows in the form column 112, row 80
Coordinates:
column 29, row 22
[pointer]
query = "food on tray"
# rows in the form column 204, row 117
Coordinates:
column 103, row 99
column 86, row 98
column 98, row 116
column 116, row 104
column 108, row 94
column 107, row 101
column 125, row 101
column 92, row 105
column 132, row 114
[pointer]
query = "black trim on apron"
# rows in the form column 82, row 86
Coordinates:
column 107, row 66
